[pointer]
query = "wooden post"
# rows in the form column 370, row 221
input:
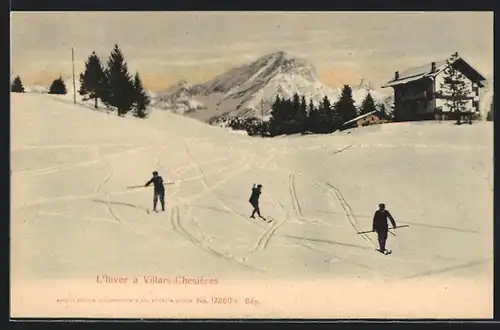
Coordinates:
column 73, row 62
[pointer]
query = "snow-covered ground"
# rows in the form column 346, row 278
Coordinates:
column 73, row 216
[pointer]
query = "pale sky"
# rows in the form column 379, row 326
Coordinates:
column 168, row 46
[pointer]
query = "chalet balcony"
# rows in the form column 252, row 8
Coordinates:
column 415, row 96
column 440, row 95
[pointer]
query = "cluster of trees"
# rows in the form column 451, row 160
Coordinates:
column 57, row 87
column 113, row 85
column 292, row 116
column 296, row 115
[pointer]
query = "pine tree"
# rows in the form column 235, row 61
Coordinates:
column 368, row 105
column 312, row 117
column 17, row 85
column 93, row 80
column 120, row 88
column 324, row 115
column 141, row 99
column 297, row 115
column 382, row 109
column 296, row 105
column 455, row 88
column 277, row 117
column 310, row 108
column 58, row 87
column 302, row 115
column 345, row 105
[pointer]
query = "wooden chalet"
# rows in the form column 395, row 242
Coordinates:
column 418, row 94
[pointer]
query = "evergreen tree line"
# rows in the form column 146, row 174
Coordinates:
column 295, row 115
column 113, row 85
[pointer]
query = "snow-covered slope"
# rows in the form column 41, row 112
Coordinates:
column 241, row 90
column 73, row 217
column 36, row 89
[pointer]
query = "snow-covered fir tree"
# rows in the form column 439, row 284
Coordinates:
column 120, row 91
column 93, row 82
column 455, row 88
column 17, row 85
column 58, row 87
column 141, row 99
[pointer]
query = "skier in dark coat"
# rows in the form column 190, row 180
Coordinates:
column 254, row 200
column 380, row 225
column 159, row 190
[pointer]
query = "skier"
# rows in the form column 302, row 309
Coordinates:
column 380, row 225
column 159, row 190
column 254, row 200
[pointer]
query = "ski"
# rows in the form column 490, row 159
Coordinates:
column 385, row 252
column 268, row 220
column 148, row 211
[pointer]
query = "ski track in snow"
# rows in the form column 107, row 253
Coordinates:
column 243, row 166
column 69, row 166
column 296, row 203
column 108, row 206
column 352, row 220
column 264, row 239
column 98, row 188
column 447, row 269
column 178, row 227
column 346, row 207
column 293, row 194
column 66, row 215
column 266, row 236
column 318, row 240
column 202, row 241
column 244, row 163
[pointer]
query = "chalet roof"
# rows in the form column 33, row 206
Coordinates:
column 363, row 116
column 424, row 71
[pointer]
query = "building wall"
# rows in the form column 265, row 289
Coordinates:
column 472, row 105
column 414, row 100
column 370, row 120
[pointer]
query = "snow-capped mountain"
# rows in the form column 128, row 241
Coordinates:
column 249, row 89
column 365, row 84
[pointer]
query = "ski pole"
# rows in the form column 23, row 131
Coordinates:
column 372, row 231
column 130, row 187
